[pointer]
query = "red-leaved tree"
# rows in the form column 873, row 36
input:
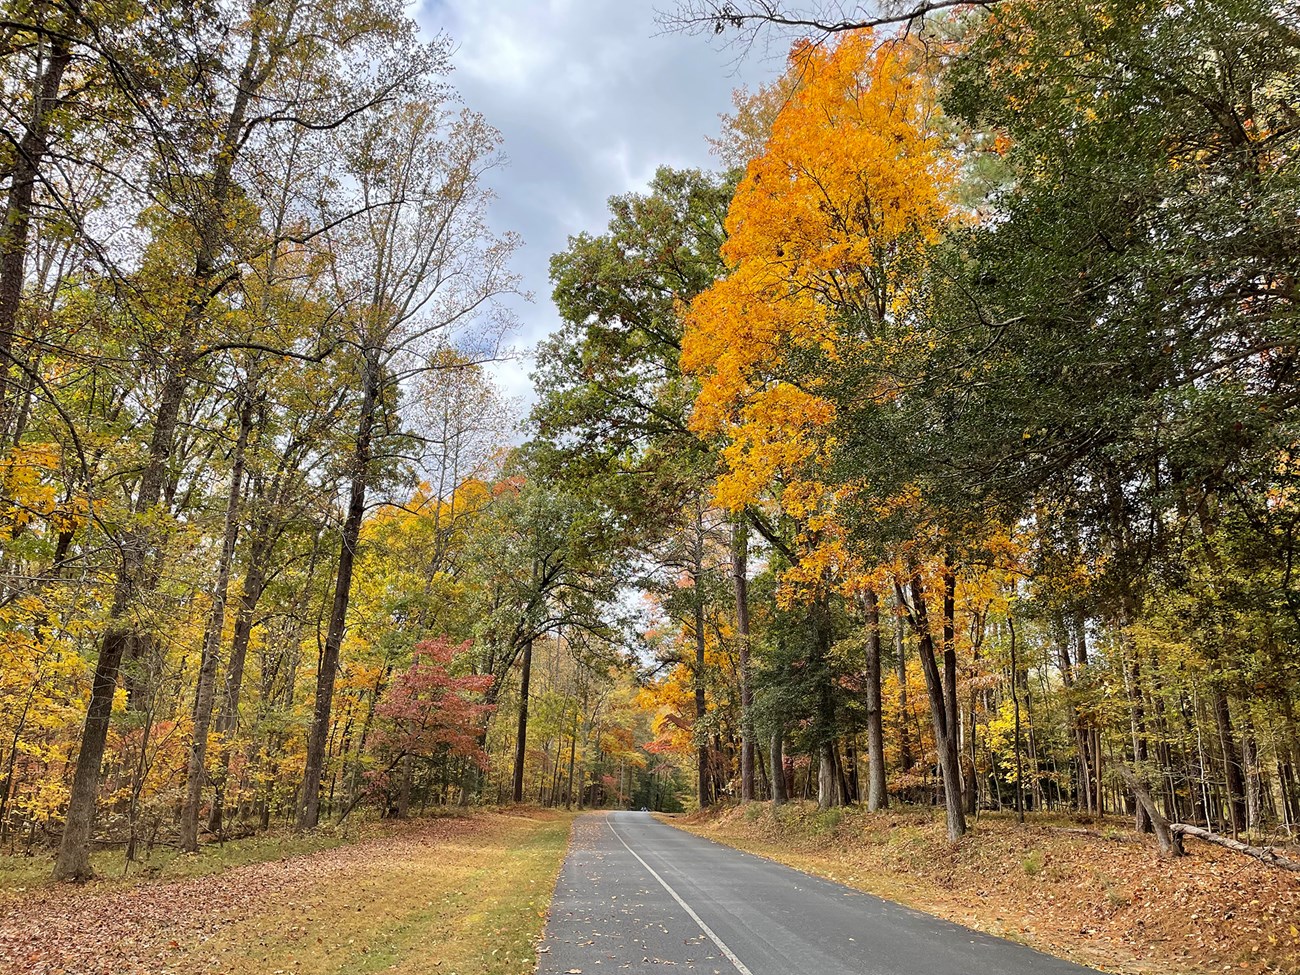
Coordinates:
column 431, row 714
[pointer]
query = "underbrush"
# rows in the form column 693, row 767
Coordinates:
column 19, row 872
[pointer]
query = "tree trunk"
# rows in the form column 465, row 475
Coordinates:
column 1088, row 772
column 1260, row 853
column 945, row 735
column 1090, row 732
column 1083, row 777
column 852, row 777
column 23, row 177
column 1138, row 727
column 1250, row 763
column 573, row 749
column 949, row 629
column 877, row 796
column 779, row 794
column 521, row 733
column 827, row 781
column 228, row 714
column 823, row 725
column 309, row 805
column 701, row 738
column 1170, row 841
column 137, row 779
column 552, row 797
column 1035, row 767
column 905, row 759
column 740, row 573
column 189, row 838
column 403, row 788
column 1015, row 706
column 970, row 755
column 1231, row 762
column 120, row 637
column 74, row 856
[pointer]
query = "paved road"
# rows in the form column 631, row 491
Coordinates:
column 638, row 896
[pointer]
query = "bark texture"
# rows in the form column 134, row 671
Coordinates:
column 877, row 796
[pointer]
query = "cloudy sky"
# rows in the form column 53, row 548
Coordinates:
column 591, row 96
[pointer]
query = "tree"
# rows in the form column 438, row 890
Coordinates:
column 536, row 560
column 615, row 402
column 47, row 48
column 828, row 234
column 268, row 40
column 750, row 17
column 418, row 267
column 1138, row 418
column 429, row 713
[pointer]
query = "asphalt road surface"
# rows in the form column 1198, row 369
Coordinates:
column 638, row 896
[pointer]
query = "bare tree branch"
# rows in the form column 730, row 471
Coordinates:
column 750, row 16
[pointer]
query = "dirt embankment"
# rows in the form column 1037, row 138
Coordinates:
column 1099, row 895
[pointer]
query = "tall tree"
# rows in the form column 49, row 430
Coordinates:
column 828, row 234
column 614, row 400
column 416, row 269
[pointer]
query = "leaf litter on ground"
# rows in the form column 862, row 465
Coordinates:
column 172, row 926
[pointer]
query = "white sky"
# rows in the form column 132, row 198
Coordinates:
column 590, row 97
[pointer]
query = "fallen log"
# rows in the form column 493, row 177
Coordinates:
column 1263, row 854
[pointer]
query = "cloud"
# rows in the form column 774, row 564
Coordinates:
column 591, row 97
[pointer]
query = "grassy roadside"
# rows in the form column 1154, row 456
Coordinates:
column 471, row 904
column 1100, row 897
column 454, row 894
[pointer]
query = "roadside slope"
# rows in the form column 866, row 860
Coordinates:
column 1099, row 897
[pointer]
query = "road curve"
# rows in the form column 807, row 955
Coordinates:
column 637, row 896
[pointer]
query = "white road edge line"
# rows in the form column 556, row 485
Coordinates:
column 722, row 946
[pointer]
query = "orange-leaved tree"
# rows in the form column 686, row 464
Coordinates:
column 827, row 236
column 826, row 256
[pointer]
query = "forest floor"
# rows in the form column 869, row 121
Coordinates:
column 465, row 895
column 1101, row 897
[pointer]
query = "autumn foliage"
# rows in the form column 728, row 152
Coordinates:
column 939, row 451
column 827, row 235
column 431, row 712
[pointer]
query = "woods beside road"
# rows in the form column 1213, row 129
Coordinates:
column 470, row 894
